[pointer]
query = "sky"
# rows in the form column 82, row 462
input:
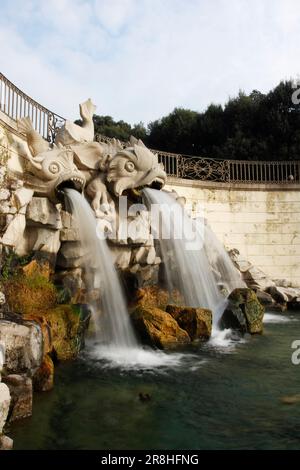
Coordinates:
column 139, row 59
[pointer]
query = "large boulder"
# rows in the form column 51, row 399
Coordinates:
column 158, row 328
column 265, row 299
column 20, row 388
column 197, row 322
column 23, row 345
column 4, row 404
column 244, row 312
column 62, row 327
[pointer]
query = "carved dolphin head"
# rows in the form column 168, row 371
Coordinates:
column 50, row 171
column 135, row 167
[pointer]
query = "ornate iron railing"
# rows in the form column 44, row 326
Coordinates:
column 16, row 104
column 224, row 171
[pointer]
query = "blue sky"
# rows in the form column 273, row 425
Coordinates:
column 138, row 59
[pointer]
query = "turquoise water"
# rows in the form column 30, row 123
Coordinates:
column 219, row 396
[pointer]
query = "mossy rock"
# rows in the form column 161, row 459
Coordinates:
column 43, row 379
column 64, row 323
column 196, row 321
column 30, row 290
column 158, row 328
column 244, row 312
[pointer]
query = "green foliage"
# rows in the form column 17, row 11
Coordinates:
column 11, row 262
column 251, row 127
column 121, row 130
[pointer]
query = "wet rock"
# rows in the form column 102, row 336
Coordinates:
column 158, row 328
column 44, row 377
column 20, row 388
column 6, row 443
column 66, row 331
column 265, row 298
column 23, row 345
column 255, row 278
column 244, row 312
column 291, row 399
column 284, row 294
column 4, row 404
column 240, row 262
column 196, row 321
column 70, row 281
column 145, row 275
column 41, row 211
column 152, row 296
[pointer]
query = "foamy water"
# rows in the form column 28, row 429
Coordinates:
column 277, row 318
column 140, row 358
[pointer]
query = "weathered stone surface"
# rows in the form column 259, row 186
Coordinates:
column 20, row 388
column 241, row 263
column 23, row 346
column 41, row 211
column 145, row 275
column 14, row 231
column 284, row 294
column 4, row 404
column 256, row 278
column 44, row 376
column 6, row 443
column 244, row 312
column 122, row 256
column 71, row 255
column 265, row 298
column 71, row 283
column 69, row 230
column 145, row 255
column 22, row 197
column 47, row 240
column 158, row 328
column 196, row 321
column 4, row 194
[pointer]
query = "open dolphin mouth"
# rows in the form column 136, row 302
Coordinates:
column 73, row 181
column 136, row 193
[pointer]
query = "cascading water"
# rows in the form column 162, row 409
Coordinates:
column 118, row 345
column 226, row 274
column 113, row 325
column 186, row 263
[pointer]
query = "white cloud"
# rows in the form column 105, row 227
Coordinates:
column 115, row 14
column 138, row 59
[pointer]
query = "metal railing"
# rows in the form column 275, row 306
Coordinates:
column 16, row 104
column 224, row 171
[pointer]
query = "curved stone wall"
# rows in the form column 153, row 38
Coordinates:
column 261, row 221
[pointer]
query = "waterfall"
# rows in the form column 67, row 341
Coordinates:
column 114, row 328
column 187, row 266
column 226, row 274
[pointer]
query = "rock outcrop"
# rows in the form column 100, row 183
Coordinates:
column 20, row 387
column 158, row 328
column 197, row 322
column 244, row 312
